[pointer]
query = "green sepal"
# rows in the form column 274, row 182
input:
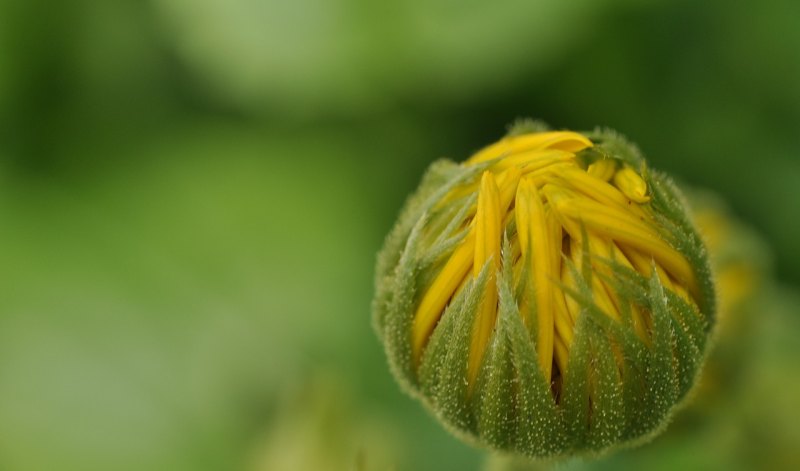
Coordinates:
column 538, row 423
column 607, row 409
column 526, row 126
column 441, row 177
column 495, row 391
column 494, row 397
column 661, row 373
column 449, row 398
column 668, row 202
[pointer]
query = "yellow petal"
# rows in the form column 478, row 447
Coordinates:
column 599, row 190
column 637, row 316
column 573, row 308
column 539, row 239
column 631, row 185
column 488, row 226
column 561, row 319
column 507, row 183
column 620, row 226
column 603, row 169
column 439, row 294
column 561, row 140
column 562, row 355
column 532, row 160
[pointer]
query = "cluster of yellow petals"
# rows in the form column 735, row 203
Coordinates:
column 537, row 192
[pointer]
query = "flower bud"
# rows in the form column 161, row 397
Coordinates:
column 549, row 296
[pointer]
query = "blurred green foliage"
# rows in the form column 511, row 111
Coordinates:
column 192, row 193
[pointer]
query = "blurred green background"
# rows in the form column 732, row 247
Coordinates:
column 192, row 194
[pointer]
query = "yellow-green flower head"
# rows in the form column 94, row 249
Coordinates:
column 548, row 296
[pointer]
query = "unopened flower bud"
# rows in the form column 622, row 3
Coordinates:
column 549, row 296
